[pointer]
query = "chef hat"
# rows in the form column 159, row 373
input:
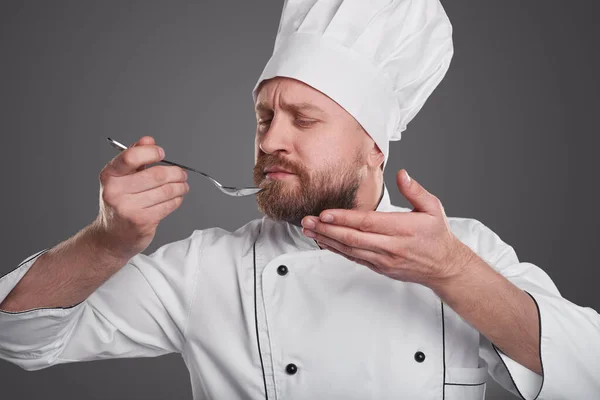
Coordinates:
column 378, row 59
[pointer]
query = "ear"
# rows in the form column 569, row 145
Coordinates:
column 375, row 156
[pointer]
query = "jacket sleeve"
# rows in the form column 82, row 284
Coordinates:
column 140, row 311
column 569, row 333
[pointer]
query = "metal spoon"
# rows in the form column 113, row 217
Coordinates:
column 232, row 191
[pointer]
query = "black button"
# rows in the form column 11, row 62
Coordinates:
column 419, row 356
column 282, row 270
column 291, row 369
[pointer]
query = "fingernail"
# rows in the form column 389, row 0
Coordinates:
column 162, row 152
column 309, row 224
column 310, row 234
column 407, row 178
column 327, row 218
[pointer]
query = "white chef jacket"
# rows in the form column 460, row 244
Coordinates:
column 263, row 313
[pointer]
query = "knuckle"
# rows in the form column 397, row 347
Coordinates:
column 183, row 174
column 350, row 251
column 105, row 175
column 418, row 190
column 137, row 219
column 129, row 157
column 109, row 195
column 106, row 196
column 160, row 174
column 397, row 255
column 168, row 190
column 176, row 174
column 170, row 206
column 350, row 239
column 386, row 262
column 366, row 224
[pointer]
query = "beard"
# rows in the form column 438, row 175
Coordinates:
column 306, row 193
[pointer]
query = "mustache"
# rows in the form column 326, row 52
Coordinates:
column 268, row 161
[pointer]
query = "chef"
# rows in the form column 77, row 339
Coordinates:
column 335, row 293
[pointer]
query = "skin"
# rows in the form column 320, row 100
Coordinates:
column 418, row 246
column 335, row 162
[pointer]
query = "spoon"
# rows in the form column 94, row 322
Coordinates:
column 231, row 191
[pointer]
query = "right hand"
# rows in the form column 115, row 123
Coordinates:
column 134, row 198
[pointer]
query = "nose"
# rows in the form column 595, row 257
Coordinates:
column 276, row 139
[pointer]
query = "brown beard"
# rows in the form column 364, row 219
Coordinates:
column 309, row 194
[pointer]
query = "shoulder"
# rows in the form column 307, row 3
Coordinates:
column 216, row 237
column 201, row 240
column 479, row 237
column 483, row 241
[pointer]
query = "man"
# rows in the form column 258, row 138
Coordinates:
column 335, row 293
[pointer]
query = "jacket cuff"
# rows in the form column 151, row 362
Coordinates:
column 32, row 339
column 527, row 383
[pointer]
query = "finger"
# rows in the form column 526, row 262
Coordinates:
column 161, row 210
column 363, row 257
column 128, row 161
column 350, row 250
column 151, row 178
column 416, row 194
column 385, row 223
column 144, row 140
column 158, row 195
column 352, row 237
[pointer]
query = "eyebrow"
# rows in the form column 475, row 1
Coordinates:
column 291, row 107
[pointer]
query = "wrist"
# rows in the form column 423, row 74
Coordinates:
column 460, row 266
column 102, row 242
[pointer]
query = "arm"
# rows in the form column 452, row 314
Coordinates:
column 140, row 311
column 568, row 342
column 66, row 274
column 83, row 299
column 498, row 309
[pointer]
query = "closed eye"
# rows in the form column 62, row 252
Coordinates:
column 304, row 123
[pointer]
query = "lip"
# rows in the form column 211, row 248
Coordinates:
column 276, row 175
column 276, row 169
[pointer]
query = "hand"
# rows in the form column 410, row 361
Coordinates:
column 416, row 246
column 134, row 198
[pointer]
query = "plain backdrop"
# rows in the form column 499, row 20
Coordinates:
column 508, row 138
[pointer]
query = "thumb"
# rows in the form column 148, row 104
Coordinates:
column 144, row 140
column 420, row 198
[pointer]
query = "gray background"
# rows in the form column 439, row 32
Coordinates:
column 508, row 138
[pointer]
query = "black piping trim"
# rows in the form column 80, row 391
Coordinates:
column 465, row 384
column 26, row 261
column 31, row 258
column 540, row 350
column 39, row 308
column 256, row 325
column 443, row 353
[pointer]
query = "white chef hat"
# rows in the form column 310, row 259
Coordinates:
column 378, row 59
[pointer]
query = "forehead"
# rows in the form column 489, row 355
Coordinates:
column 291, row 91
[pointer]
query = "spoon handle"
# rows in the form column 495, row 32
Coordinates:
column 184, row 167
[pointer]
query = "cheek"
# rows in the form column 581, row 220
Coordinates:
column 315, row 150
column 256, row 148
column 330, row 145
